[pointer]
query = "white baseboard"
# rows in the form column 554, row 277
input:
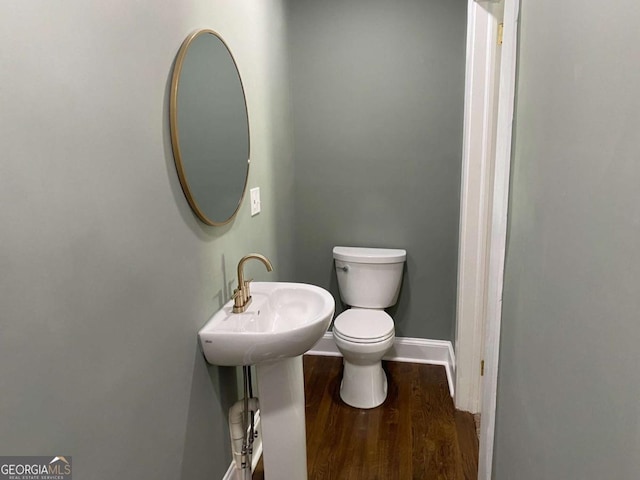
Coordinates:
column 234, row 473
column 405, row 349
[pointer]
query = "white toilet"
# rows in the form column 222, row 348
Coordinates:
column 369, row 281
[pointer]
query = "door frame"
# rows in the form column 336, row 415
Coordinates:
column 488, row 126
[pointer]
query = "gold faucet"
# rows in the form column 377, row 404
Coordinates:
column 242, row 294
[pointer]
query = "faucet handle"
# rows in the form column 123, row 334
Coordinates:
column 240, row 302
column 238, row 297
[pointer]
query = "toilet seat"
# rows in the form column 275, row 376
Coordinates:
column 361, row 325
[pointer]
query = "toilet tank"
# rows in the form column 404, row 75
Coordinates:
column 369, row 277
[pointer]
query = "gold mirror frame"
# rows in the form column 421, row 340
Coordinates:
column 173, row 123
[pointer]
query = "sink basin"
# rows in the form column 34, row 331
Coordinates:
column 283, row 320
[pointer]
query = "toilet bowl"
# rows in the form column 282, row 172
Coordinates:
column 364, row 383
column 369, row 281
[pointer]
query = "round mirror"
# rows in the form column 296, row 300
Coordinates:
column 209, row 127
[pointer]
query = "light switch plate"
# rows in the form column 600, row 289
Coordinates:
column 255, row 200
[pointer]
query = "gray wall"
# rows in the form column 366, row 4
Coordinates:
column 569, row 384
column 106, row 274
column 378, row 108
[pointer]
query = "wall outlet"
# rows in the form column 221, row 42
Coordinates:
column 255, row 201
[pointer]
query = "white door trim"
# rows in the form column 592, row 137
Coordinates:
column 489, row 107
column 498, row 235
column 478, row 151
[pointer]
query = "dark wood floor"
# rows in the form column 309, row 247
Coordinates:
column 415, row 434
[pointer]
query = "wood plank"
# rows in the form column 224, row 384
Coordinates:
column 468, row 441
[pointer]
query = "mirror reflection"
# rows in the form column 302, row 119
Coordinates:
column 209, row 127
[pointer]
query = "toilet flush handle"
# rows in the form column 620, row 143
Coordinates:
column 345, row 268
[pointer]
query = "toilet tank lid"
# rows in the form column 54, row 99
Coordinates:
column 369, row 255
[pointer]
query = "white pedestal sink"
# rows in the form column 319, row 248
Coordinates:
column 283, row 321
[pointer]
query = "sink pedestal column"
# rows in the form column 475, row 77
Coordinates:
column 282, row 419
